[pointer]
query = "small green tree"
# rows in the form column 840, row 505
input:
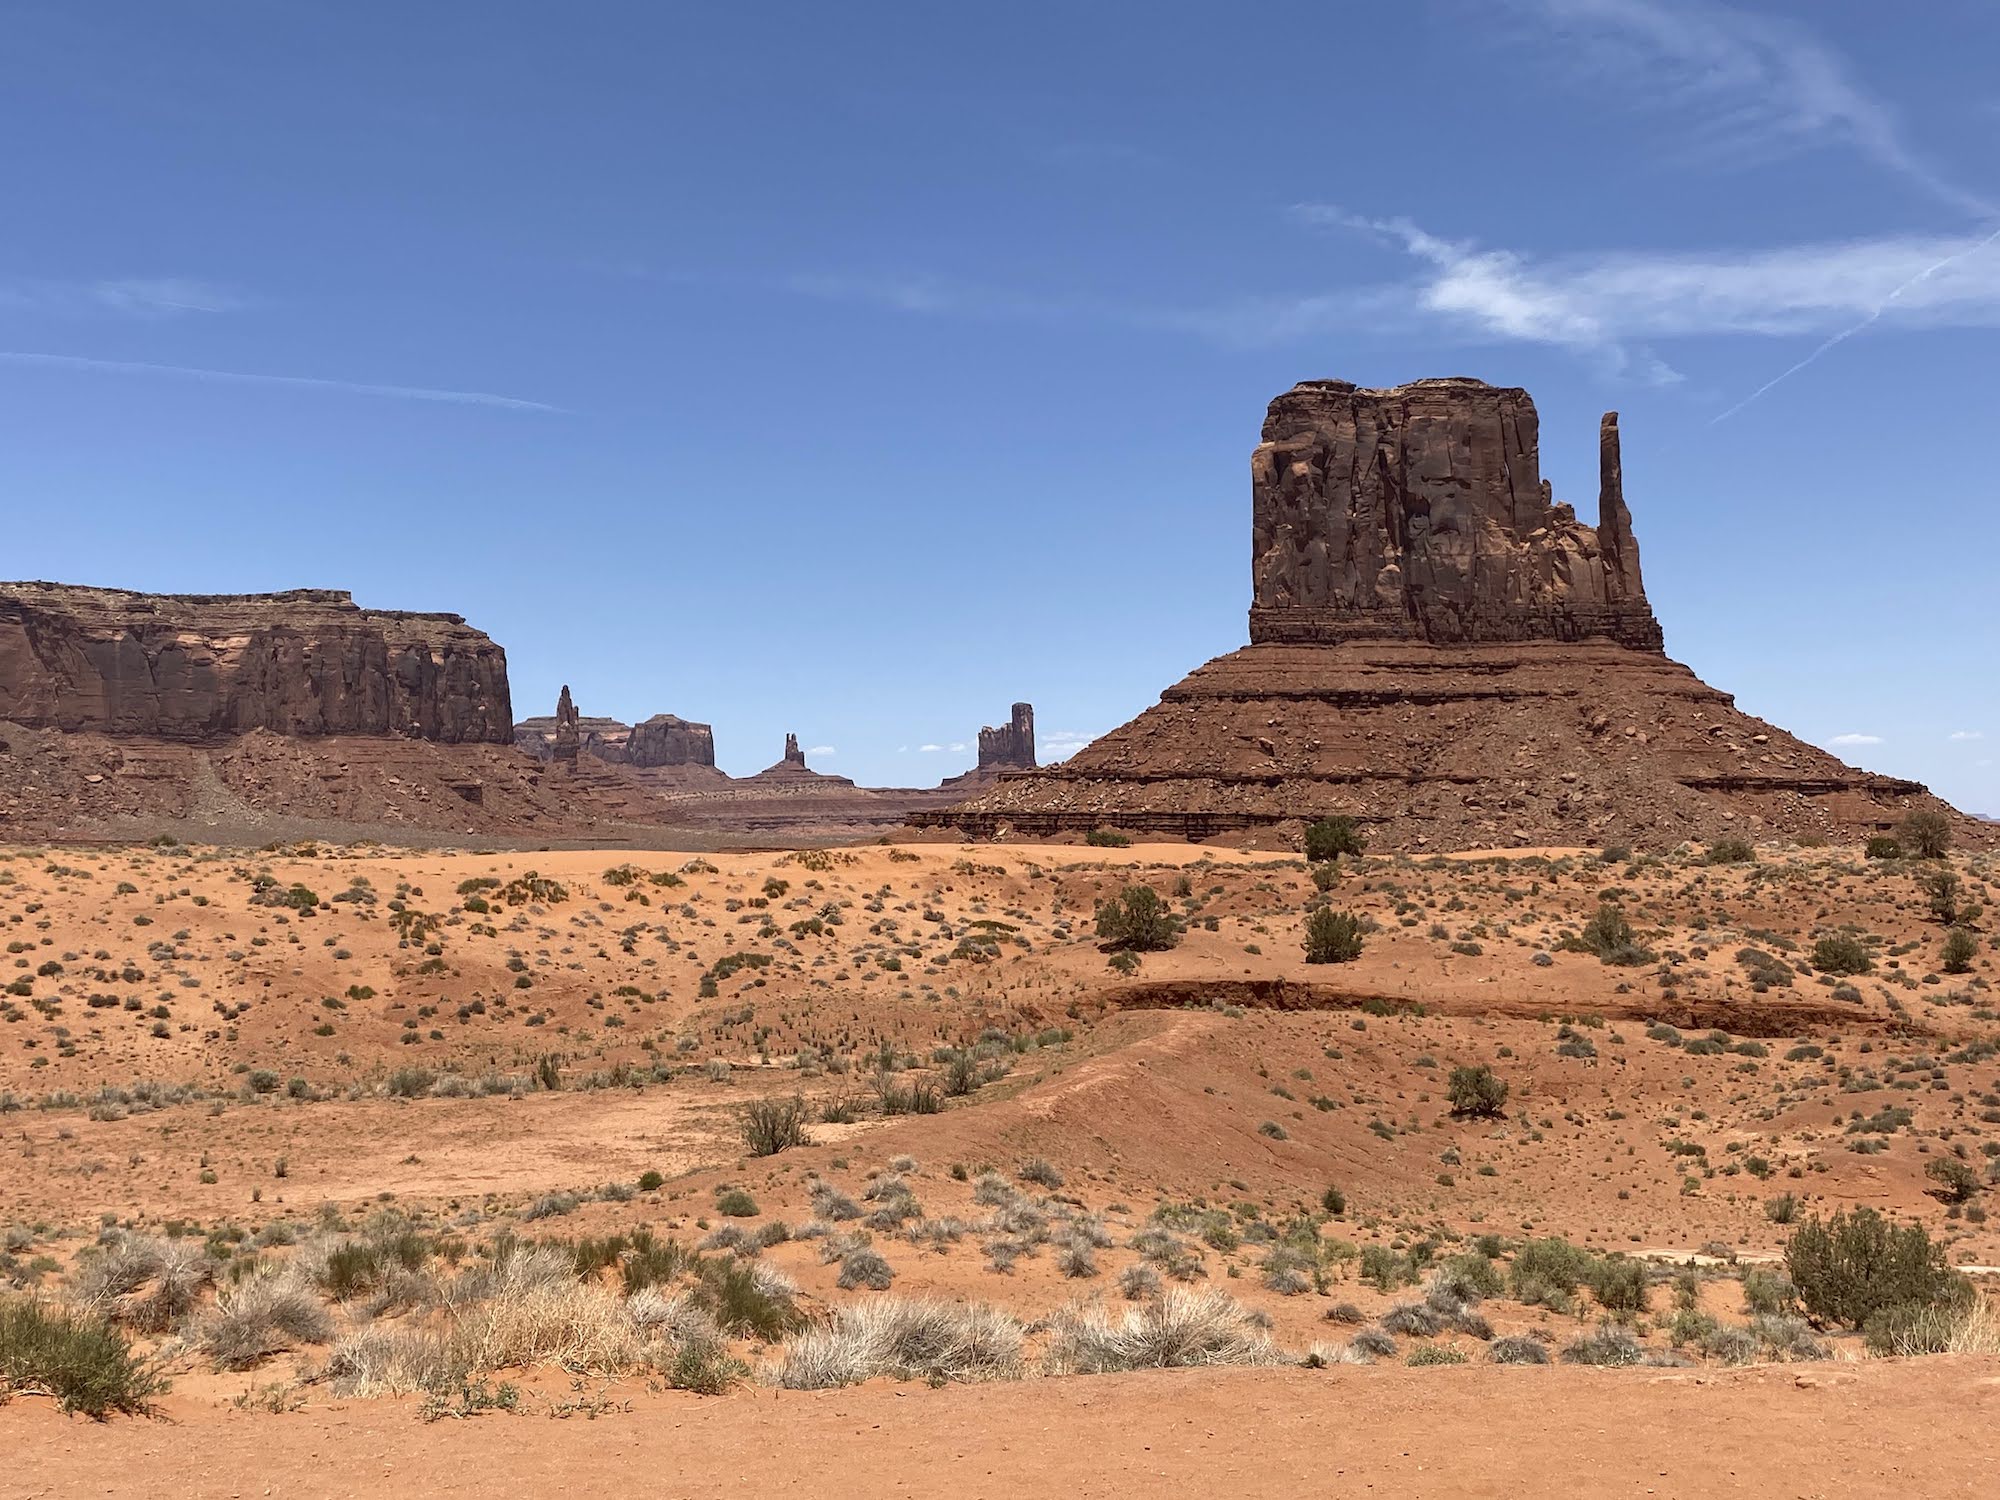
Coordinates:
column 1883, row 847
column 1927, row 833
column 1136, row 921
column 1329, row 838
column 1333, row 937
column 1475, row 1093
column 1956, row 1182
column 1945, row 893
column 1960, row 948
column 1857, row 1266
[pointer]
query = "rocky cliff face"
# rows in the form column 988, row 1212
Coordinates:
column 1420, row 513
column 1011, row 746
column 666, row 740
column 198, row 667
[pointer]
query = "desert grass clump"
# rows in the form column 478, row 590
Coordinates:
column 1138, row 1283
column 376, row 1362
column 531, row 1320
column 266, row 1313
column 75, row 1356
column 1076, row 1259
column 1608, row 1344
column 1288, row 1271
column 906, row 1340
column 1183, row 1328
column 147, row 1282
column 831, row 1204
column 1437, row 1354
column 1518, row 1350
column 1373, row 1343
column 864, row 1269
column 747, row 1299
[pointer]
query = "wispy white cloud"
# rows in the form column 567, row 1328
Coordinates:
column 1968, row 734
column 1615, row 304
column 132, row 296
column 931, row 749
column 239, row 377
column 822, row 750
column 1743, row 86
column 1856, row 739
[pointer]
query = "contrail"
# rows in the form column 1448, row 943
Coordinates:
column 353, row 387
column 1846, row 334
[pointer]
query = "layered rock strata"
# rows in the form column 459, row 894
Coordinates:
column 1442, row 651
column 204, row 667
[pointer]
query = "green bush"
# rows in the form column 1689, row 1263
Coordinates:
column 1609, row 935
column 1546, row 1271
column 1329, row 838
column 774, row 1125
column 731, row 1292
column 1619, row 1284
column 1106, row 838
column 1857, row 1265
column 80, row 1360
column 1927, row 833
column 1883, row 847
column 1136, row 921
column 735, row 1203
column 1333, row 937
column 1841, row 953
column 1960, row 948
column 1475, row 1092
column 1731, row 852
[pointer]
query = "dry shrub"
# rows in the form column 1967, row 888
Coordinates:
column 905, row 1339
column 537, row 1322
column 1183, row 1328
column 261, row 1316
column 389, row 1362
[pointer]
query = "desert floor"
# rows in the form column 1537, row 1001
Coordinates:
column 407, row 1066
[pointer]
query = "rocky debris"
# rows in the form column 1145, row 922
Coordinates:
column 1012, row 745
column 204, row 667
column 567, row 741
column 1441, row 652
column 1419, row 513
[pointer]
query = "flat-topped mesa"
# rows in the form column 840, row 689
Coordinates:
column 203, row 667
column 1420, row 513
column 668, row 740
column 1011, row 746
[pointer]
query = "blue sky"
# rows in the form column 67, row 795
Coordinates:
column 857, row 370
